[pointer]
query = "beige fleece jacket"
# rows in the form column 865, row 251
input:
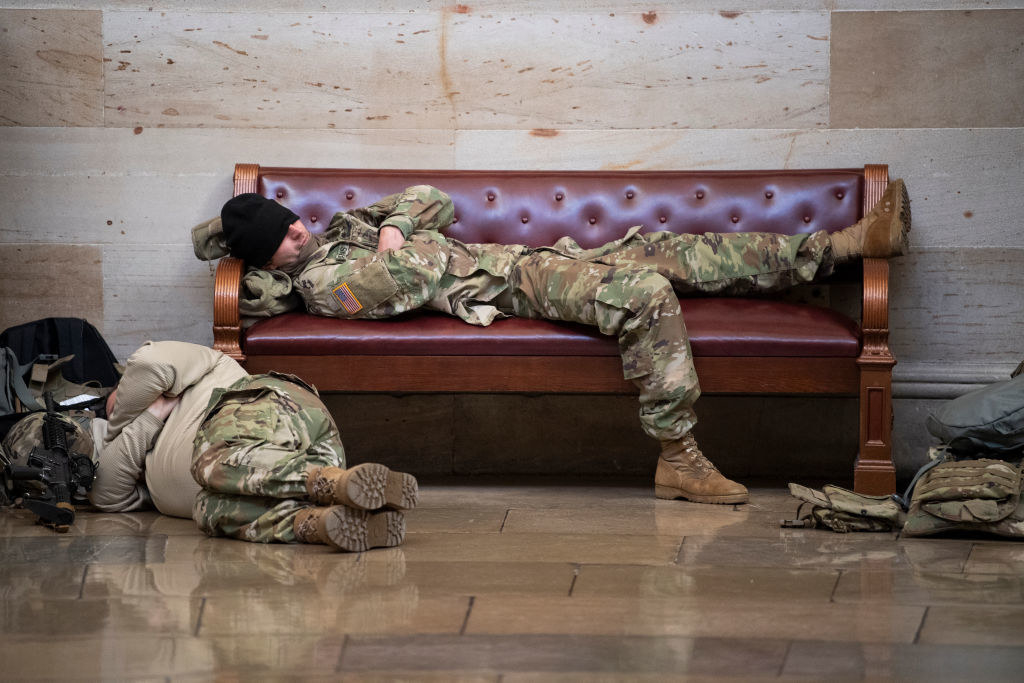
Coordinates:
column 137, row 447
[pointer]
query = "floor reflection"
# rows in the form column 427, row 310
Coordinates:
column 512, row 582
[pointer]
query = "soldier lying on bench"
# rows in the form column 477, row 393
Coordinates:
column 390, row 258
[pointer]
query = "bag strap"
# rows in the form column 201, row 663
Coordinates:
column 904, row 501
column 40, row 373
column 21, row 390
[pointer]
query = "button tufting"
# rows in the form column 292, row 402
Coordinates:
column 455, row 219
column 525, row 219
column 312, row 219
column 280, row 193
column 559, row 197
column 349, row 196
column 592, row 220
column 630, row 194
column 769, row 194
column 807, row 219
column 490, row 196
column 735, row 219
column 662, row 219
column 700, row 194
column 840, row 195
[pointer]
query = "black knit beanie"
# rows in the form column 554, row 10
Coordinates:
column 254, row 227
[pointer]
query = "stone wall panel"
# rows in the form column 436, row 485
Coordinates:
column 152, row 292
column 241, row 70
column 927, row 69
column 50, row 280
column 51, row 69
column 670, row 70
column 96, row 152
column 958, row 305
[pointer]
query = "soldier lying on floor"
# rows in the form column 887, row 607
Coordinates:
column 254, row 457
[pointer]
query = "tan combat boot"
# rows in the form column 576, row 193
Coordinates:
column 684, row 472
column 880, row 234
column 369, row 486
column 348, row 529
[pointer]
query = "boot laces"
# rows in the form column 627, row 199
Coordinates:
column 696, row 457
column 306, row 530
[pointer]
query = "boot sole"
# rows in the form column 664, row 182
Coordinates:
column 372, row 486
column 669, row 493
column 357, row 530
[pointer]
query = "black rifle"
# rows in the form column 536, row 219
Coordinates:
column 61, row 473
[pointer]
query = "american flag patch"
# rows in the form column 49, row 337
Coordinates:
column 346, row 298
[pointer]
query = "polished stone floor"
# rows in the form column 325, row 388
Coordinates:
column 498, row 582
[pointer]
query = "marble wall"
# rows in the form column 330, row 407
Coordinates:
column 120, row 123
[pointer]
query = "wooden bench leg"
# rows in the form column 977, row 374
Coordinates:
column 874, row 473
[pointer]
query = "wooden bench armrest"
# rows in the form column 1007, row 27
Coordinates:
column 875, row 311
column 227, row 328
column 875, row 315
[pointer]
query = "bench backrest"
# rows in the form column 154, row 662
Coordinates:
column 538, row 207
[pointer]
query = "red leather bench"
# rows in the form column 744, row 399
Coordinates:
column 740, row 345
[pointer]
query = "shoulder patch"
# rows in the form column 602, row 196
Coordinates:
column 347, row 299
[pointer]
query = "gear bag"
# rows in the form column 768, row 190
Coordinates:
column 843, row 511
column 987, row 421
column 959, row 488
column 65, row 356
column 93, row 360
column 975, row 495
column 26, row 384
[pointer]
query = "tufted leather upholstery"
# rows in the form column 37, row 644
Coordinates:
column 536, row 208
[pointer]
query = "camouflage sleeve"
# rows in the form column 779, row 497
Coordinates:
column 380, row 285
column 420, row 207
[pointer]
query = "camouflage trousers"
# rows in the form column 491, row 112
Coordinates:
column 629, row 290
column 252, row 453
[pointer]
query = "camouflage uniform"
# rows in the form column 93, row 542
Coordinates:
column 251, row 454
column 626, row 288
column 233, row 454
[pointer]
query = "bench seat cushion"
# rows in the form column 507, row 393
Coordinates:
column 717, row 327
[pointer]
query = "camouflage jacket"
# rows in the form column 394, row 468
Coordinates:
column 348, row 278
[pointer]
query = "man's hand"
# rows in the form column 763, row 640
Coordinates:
column 390, row 238
column 163, row 406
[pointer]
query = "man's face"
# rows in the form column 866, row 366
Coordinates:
column 294, row 240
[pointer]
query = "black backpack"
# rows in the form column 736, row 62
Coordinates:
column 59, row 337
column 37, row 345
